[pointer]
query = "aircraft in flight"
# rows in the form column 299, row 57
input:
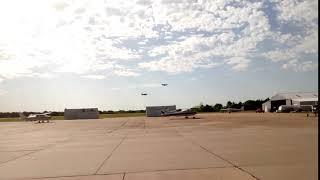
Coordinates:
column 178, row 112
column 144, row 94
column 164, row 84
column 40, row 117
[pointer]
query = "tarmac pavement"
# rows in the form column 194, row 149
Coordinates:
column 239, row 146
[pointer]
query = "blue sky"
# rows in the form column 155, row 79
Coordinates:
column 57, row 54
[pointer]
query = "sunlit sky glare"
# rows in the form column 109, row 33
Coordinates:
column 57, row 54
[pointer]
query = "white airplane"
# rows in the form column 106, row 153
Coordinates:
column 36, row 117
column 178, row 112
column 229, row 110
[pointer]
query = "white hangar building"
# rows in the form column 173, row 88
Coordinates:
column 84, row 113
column 155, row 111
column 292, row 98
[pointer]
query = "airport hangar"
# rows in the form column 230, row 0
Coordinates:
column 84, row 113
column 155, row 111
column 290, row 98
column 93, row 113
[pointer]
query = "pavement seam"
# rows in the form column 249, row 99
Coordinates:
column 234, row 165
column 161, row 170
column 2, row 163
column 34, row 151
column 106, row 159
column 20, row 150
column 115, row 129
column 81, row 175
column 133, row 172
column 220, row 157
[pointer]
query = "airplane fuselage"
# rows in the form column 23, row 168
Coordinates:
column 179, row 113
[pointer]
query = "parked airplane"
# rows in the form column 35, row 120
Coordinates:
column 164, row 84
column 295, row 108
column 178, row 112
column 36, row 117
column 229, row 110
column 144, row 94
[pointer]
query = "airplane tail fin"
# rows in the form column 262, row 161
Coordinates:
column 162, row 112
column 22, row 116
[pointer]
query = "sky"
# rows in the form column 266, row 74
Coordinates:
column 57, row 54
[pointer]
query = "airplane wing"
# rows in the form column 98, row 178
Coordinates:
column 179, row 113
column 32, row 116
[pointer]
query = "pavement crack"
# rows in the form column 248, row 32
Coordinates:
column 218, row 156
column 106, row 159
column 47, row 147
column 172, row 169
column 241, row 169
column 124, row 176
column 115, row 129
column 71, row 176
column 2, row 163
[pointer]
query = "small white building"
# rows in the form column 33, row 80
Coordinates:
column 290, row 98
column 84, row 113
column 155, row 111
column 266, row 107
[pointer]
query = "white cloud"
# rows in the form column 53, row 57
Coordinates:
column 296, row 50
column 238, row 63
column 280, row 55
column 115, row 89
column 300, row 66
column 151, row 85
column 302, row 11
column 94, row 76
column 309, row 44
column 126, row 72
column 296, row 47
column 14, row 68
column 44, row 38
column 3, row 92
column 65, row 36
column 200, row 51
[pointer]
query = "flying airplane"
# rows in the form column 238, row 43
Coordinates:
column 178, row 112
column 40, row 117
column 229, row 110
column 144, row 94
column 164, row 84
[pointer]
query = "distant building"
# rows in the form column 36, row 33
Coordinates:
column 266, row 107
column 85, row 113
column 292, row 98
column 155, row 111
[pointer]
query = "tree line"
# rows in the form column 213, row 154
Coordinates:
column 60, row 113
column 248, row 105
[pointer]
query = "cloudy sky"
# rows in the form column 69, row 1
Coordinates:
column 57, row 54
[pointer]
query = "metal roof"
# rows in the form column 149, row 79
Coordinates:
column 295, row 96
column 305, row 99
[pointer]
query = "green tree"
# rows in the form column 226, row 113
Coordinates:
column 217, row 107
column 206, row 108
column 229, row 104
